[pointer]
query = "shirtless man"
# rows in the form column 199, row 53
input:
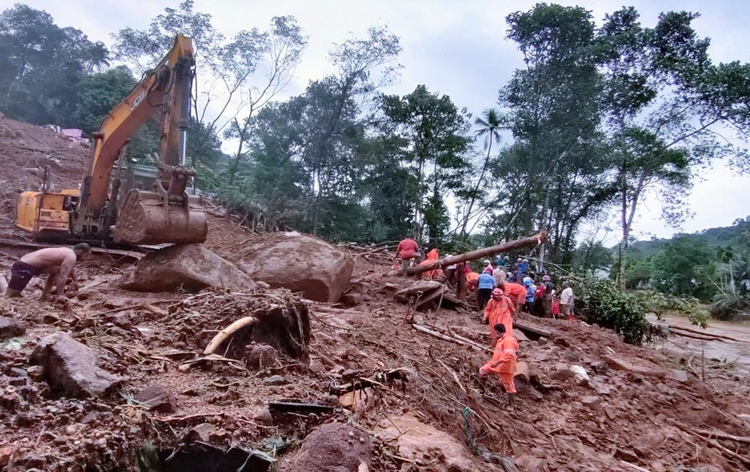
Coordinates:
column 58, row 262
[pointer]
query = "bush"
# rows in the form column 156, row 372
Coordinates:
column 601, row 302
column 726, row 305
column 661, row 304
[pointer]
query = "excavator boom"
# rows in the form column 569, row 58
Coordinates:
column 167, row 214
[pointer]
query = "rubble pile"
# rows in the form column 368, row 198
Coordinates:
column 260, row 375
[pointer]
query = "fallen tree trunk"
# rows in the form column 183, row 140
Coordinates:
column 480, row 253
column 702, row 333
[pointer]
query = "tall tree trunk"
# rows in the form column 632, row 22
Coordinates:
column 476, row 189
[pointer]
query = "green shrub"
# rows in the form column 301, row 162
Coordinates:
column 661, row 304
column 726, row 305
column 601, row 302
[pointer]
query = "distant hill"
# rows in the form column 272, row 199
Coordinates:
column 714, row 237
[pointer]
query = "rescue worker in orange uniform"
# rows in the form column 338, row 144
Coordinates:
column 472, row 279
column 432, row 256
column 503, row 362
column 499, row 310
column 517, row 293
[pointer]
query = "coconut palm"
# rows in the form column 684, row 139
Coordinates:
column 490, row 124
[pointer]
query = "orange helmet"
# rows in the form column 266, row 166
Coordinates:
column 497, row 293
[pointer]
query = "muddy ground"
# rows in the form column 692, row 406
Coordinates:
column 417, row 405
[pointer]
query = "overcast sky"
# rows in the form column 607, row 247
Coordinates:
column 455, row 47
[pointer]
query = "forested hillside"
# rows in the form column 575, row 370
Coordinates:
column 603, row 111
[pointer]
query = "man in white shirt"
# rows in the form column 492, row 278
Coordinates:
column 566, row 299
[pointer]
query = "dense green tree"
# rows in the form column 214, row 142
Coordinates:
column 40, row 65
column 434, row 132
column 683, row 267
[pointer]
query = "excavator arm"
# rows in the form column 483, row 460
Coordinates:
column 168, row 214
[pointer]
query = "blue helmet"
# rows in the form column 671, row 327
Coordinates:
column 527, row 281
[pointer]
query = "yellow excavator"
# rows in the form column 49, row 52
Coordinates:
column 166, row 214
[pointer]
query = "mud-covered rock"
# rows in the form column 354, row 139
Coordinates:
column 72, row 368
column 300, row 263
column 332, row 447
column 11, row 327
column 189, row 267
column 157, row 397
column 261, row 356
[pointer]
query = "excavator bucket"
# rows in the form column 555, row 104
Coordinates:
column 145, row 218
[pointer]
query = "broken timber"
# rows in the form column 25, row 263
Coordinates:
column 423, row 293
column 533, row 331
column 480, row 253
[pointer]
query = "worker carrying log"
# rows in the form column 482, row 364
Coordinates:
column 499, row 310
column 503, row 362
column 406, row 252
column 58, row 262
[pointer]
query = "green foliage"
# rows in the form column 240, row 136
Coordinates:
column 661, row 304
column 726, row 305
column 602, row 302
column 40, row 65
column 683, row 267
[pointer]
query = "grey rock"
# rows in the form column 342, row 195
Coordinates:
column 73, row 368
column 274, row 380
column 157, row 398
column 11, row 327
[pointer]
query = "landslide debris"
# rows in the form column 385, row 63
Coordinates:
column 289, row 388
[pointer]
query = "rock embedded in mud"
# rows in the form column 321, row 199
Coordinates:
column 189, row 267
column 72, row 368
column 261, row 356
column 157, row 397
column 300, row 263
column 332, row 447
column 274, row 380
column 11, row 327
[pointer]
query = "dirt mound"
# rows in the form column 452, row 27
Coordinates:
column 298, row 262
column 25, row 150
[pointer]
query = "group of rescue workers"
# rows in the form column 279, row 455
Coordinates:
column 500, row 298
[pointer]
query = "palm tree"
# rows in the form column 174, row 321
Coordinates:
column 490, row 124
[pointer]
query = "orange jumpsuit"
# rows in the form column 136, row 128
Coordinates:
column 432, row 256
column 505, row 353
column 499, row 311
column 471, row 281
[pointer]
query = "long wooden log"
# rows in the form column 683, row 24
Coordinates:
column 480, row 253
column 442, row 336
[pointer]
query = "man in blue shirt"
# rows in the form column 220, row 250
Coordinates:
column 485, row 284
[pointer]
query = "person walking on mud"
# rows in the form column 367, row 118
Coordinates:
column 503, row 362
column 406, row 251
column 58, row 262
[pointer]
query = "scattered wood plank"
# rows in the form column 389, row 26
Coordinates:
column 426, row 300
column 723, row 435
column 703, row 333
column 417, row 288
column 699, row 337
column 444, row 337
column 535, row 330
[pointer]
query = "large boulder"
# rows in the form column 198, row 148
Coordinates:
column 300, row 263
column 72, row 368
column 332, row 447
column 189, row 267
